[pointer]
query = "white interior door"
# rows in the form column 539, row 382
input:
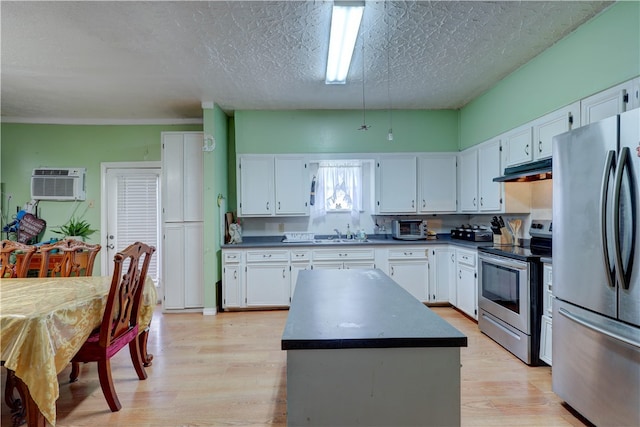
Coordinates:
column 131, row 211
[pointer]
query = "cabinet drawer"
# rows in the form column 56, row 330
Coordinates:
column 466, row 258
column 232, row 257
column 342, row 254
column 268, row 256
column 300, row 255
column 409, row 253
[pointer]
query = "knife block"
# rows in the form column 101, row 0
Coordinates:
column 503, row 239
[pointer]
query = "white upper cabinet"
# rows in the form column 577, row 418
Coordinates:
column 468, row 161
column 182, row 170
column 292, row 186
column 490, row 193
column 609, row 102
column 256, row 185
column 273, row 185
column 437, row 183
column 396, row 184
column 518, row 145
column 552, row 124
column 478, row 166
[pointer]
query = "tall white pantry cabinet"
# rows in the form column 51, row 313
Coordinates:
column 182, row 220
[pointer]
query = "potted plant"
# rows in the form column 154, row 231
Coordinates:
column 77, row 229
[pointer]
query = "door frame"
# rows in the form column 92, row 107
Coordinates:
column 104, row 166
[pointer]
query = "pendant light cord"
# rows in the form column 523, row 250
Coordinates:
column 390, row 134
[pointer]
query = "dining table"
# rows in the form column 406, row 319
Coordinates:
column 43, row 324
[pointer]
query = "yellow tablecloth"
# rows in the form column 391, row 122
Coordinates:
column 45, row 321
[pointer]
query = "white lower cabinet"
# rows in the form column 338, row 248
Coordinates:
column 441, row 274
column 232, row 289
column 467, row 282
column 409, row 267
column 300, row 260
column 547, row 302
column 268, row 282
column 545, row 340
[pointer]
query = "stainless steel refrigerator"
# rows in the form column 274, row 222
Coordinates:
column 596, row 270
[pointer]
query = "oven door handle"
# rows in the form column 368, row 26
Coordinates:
column 504, row 263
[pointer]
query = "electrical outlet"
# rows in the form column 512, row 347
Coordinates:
column 91, row 203
column 281, row 228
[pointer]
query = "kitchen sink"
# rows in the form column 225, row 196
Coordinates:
column 338, row 241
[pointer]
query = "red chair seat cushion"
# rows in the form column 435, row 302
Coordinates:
column 92, row 351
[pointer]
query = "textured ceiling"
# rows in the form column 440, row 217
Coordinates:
column 84, row 61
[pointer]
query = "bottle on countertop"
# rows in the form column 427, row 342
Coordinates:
column 349, row 235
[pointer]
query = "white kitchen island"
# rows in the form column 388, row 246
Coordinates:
column 361, row 351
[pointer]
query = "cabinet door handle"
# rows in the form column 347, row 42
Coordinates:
column 413, row 203
column 266, row 255
column 392, row 270
column 235, row 274
column 283, row 273
column 481, row 201
column 539, row 146
column 278, row 205
column 460, row 274
column 526, row 149
column 424, row 203
column 452, row 258
column 267, row 205
column 474, row 201
column 408, row 253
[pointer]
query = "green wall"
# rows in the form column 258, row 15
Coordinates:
column 28, row 146
column 336, row 131
column 599, row 54
column 215, row 186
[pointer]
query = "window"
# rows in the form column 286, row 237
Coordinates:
column 338, row 187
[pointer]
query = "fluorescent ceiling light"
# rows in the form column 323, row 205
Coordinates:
column 345, row 23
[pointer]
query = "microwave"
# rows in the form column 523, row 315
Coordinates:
column 409, row 229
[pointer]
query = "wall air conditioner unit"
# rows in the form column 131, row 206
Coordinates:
column 58, row 184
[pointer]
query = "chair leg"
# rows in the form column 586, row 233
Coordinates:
column 143, row 337
column 106, row 382
column 9, row 392
column 136, row 358
column 75, row 371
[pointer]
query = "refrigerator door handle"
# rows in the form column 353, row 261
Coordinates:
column 596, row 328
column 606, row 177
column 623, row 164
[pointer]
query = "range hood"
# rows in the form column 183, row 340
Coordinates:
column 533, row 171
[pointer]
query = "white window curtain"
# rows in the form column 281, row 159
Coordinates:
column 138, row 214
column 338, row 189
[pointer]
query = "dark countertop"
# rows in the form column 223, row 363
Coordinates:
column 335, row 309
column 374, row 240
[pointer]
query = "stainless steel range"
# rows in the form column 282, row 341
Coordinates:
column 510, row 293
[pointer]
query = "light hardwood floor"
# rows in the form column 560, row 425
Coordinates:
column 228, row 370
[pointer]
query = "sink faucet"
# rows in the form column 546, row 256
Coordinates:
column 338, row 233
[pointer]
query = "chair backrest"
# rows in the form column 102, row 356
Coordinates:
column 8, row 267
column 125, row 295
column 70, row 264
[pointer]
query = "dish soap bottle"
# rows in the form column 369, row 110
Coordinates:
column 349, row 235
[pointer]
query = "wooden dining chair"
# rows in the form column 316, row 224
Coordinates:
column 9, row 267
column 72, row 262
column 119, row 325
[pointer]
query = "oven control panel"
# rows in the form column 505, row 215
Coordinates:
column 541, row 228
